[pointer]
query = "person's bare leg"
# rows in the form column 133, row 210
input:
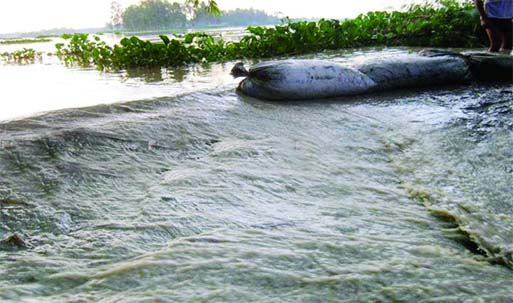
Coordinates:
column 507, row 38
column 506, row 45
column 495, row 40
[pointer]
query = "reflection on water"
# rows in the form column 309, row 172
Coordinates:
column 194, row 193
column 31, row 89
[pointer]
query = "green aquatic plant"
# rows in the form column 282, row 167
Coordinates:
column 440, row 23
column 24, row 56
column 135, row 52
column 82, row 51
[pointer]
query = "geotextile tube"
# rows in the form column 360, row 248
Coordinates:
column 410, row 71
column 301, row 79
column 490, row 66
column 317, row 79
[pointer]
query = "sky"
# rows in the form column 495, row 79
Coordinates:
column 32, row 15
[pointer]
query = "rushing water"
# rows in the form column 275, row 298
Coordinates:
column 194, row 193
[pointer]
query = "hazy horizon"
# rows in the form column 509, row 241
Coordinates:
column 50, row 14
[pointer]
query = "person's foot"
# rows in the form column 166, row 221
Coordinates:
column 505, row 51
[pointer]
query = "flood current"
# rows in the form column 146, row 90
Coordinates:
column 193, row 193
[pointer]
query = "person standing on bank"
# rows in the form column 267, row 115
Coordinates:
column 496, row 16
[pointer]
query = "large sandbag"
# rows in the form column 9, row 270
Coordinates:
column 490, row 66
column 485, row 66
column 301, row 79
column 409, row 71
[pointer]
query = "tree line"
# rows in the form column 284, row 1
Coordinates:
column 162, row 14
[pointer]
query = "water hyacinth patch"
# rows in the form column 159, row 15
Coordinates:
column 24, row 56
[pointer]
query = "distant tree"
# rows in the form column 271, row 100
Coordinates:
column 248, row 17
column 237, row 17
column 159, row 14
column 154, row 14
column 202, row 16
column 211, row 5
column 116, row 15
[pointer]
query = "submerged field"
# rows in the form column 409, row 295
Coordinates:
column 191, row 192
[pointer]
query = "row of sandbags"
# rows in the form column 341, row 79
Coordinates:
column 317, row 79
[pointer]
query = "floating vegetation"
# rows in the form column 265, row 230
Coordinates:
column 442, row 23
column 24, row 56
column 25, row 40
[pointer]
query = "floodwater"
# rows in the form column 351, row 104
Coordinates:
column 193, row 193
